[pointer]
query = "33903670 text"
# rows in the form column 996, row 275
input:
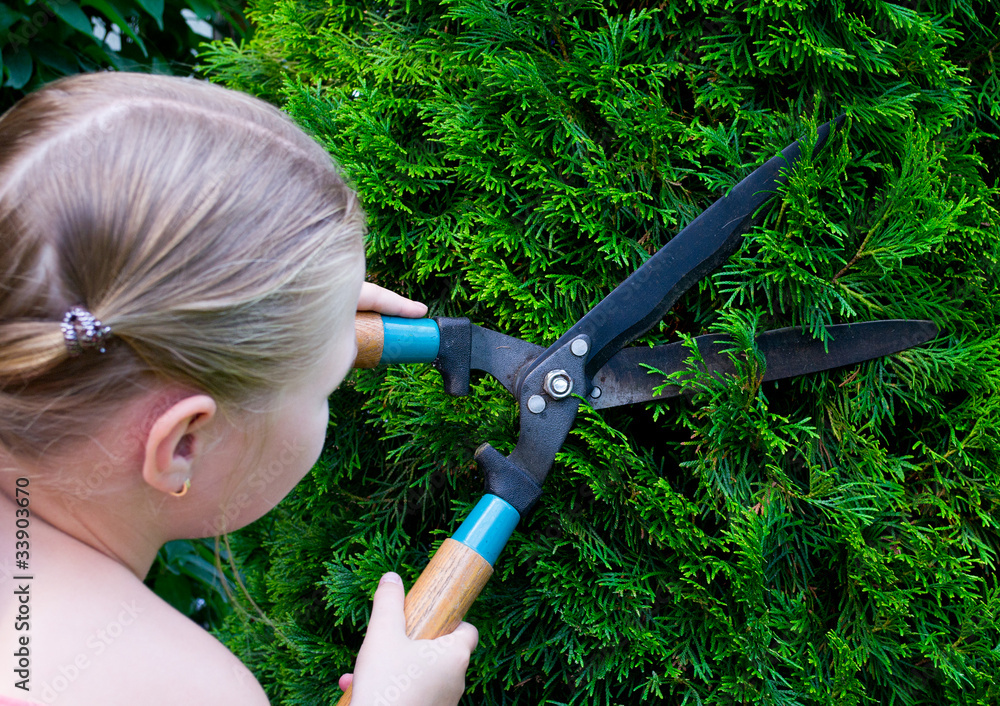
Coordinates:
column 22, row 586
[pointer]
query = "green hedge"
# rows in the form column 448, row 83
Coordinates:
column 830, row 539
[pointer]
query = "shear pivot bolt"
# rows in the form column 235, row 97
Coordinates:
column 558, row 384
column 579, row 347
column 595, row 393
column 536, row 404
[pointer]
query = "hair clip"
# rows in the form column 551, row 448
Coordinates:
column 83, row 331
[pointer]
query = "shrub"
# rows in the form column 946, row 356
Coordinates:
column 827, row 539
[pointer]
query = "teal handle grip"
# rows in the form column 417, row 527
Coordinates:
column 488, row 527
column 409, row 340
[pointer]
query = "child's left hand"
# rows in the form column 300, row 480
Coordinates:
column 380, row 299
column 418, row 672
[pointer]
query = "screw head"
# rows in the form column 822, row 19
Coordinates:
column 579, row 347
column 536, row 404
column 595, row 393
column 558, row 384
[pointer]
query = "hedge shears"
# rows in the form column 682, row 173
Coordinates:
column 589, row 364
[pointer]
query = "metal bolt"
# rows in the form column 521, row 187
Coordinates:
column 579, row 347
column 558, row 384
column 536, row 404
column 595, row 393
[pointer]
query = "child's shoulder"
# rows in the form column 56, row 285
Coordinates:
column 97, row 635
column 153, row 655
column 167, row 658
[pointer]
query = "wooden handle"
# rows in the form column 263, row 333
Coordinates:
column 443, row 594
column 447, row 588
column 369, row 332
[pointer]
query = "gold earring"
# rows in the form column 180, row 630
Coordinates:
column 183, row 491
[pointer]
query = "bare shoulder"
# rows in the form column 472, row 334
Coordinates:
column 151, row 654
column 95, row 634
column 184, row 664
column 132, row 647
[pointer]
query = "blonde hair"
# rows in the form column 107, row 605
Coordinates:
column 217, row 240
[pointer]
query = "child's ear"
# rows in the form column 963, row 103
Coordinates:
column 173, row 442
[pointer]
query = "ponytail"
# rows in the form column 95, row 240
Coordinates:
column 29, row 348
column 217, row 240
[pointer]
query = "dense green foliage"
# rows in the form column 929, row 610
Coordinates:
column 830, row 539
column 43, row 41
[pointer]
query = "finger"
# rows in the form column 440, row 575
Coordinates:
column 467, row 635
column 387, row 607
column 345, row 681
column 384, row 301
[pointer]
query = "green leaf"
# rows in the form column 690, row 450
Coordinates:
column 17, row 61
column 100, row 53
column 175, row 590
column 154, row 8
column 70, row 13
column 57, row 58
column 8, row 16
column 112, row 14
column 162, row 67
column 203, row 8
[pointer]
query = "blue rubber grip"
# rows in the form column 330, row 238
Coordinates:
column 409, row 340
column 488, row 527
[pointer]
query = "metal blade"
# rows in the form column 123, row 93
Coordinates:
column 544, row 383
column 642, row 299
column 787, row 352
column 500, row 355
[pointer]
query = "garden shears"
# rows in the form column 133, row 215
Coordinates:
column 589, row 363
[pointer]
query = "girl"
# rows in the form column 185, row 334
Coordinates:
column 179, row 271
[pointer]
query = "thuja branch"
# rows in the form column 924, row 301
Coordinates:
column 864, row 243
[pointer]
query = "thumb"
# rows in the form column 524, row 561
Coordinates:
column 387, row 607
column 466, row 635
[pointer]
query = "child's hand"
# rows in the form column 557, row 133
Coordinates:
column 393, row 669
column 380, row 299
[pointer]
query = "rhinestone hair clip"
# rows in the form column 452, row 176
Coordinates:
column 83, row 331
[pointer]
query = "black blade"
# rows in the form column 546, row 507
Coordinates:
column 787, row 353
column 500, row 355
column 649, row 292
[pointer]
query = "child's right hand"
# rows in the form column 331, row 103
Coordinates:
column 385, row 301
column 393, row 669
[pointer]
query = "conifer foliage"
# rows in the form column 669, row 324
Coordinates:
column 830, row 539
